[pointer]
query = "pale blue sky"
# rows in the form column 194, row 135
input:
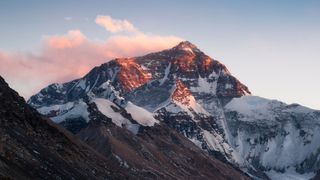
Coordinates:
column 271, row 46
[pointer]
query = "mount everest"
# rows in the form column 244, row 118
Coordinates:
column 183, row 90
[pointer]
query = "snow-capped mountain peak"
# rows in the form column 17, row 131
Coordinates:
column 190, row 92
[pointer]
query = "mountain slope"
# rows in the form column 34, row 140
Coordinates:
column 198, row 97
column 33, row 147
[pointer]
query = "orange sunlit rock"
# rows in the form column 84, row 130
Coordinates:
column 131, row 74
column 181, row 93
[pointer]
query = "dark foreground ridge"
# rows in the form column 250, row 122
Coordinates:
column 33, row 147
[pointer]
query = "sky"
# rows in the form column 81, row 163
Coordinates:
column 271, row 46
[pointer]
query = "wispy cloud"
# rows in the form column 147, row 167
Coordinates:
column 69, row 56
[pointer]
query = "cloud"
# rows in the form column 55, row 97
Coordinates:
column 115, row 25
column 72, row 39
column 72, row 55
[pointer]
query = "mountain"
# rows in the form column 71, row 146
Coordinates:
column 184, row 89
column 33, row 147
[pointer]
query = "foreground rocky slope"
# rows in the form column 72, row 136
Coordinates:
column 198, row 97
column 33, row 147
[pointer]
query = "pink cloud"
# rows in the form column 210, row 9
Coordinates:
column 115, row 25
column 66, row 57
column 72, row 39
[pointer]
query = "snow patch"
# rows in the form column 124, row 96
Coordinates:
column 58, row 108
column 229, row 86
column 204, row 86
column 141, row 115
column 110, row 92
column 104, row 106
column 187, row 49
column 193, row 105
column 122, row 162
column 196, row 142
column 216, row 142
column 79, row 109
column 82, row 84
column 166, row 73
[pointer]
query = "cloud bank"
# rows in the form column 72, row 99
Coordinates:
column 72, row 55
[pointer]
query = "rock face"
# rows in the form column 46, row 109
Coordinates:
column 195, row 95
